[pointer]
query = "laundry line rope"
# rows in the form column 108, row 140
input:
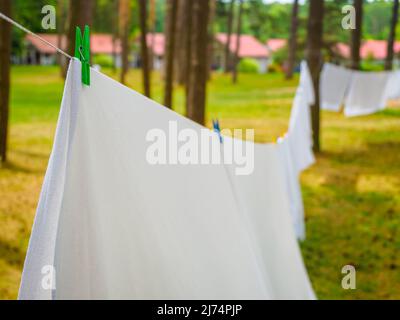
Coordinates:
column 16, row 24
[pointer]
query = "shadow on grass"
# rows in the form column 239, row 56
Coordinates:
column 351, row 199
column 15, row 168
column 11, row 255
column 375, row 158
column 36, row 155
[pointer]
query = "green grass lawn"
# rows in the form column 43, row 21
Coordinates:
column 352, row 194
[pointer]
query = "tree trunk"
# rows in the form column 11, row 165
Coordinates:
column 293, row 40
column 179, row 34
column 125, row 18
column 152, row 22
column 182, row 35
column 392, row 36
column 198, row 65
column 238, row 36
column 80, row 14
column 143, row 46
column 172, row 8
column 314, row 60
column 5, row 55
column 356, row 36
column 211, row 18
column 188, row 51
column 115, row 35
column 227, row 66
column 62, row 62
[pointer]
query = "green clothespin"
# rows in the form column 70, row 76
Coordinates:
column 82, row 52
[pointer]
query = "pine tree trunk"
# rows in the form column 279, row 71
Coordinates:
column 125, row 18
column 152, row 22
column 211, row 18
column 172, row 8
column 188, row 52
column 62, row 62
column 238, row 36
column 115, row 35
column 5, row 56
column 143, row 46
column 198, row 65
column 227, row 66
column 392, row 36
column 182, row 35
column 314, row 60
column 80, row 14
column 178, row 42
column 293, row 40
column 356, row 36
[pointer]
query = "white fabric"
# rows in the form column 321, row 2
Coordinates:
column 115, row 227
column 367, row 93
column 393, row 85
column 43, row 238
column 295, row 148
column 306, row 84
column 334, row 82
column 271, row 224
column 293, row 188
column 300, row 129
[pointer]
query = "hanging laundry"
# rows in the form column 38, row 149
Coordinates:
column 295, row 148
column 268, row 218
column 393, row 85
column 367, row 93
column 334, row 82
column 293, row 188
column 112, row 226
column 300, row 130
column 306, row 84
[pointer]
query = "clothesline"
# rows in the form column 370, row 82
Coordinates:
column 16, row 24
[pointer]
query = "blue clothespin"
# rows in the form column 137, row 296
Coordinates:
column 82, row 52
column 217, row 129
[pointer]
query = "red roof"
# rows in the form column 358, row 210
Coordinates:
column 374, row 48
column 369, row 48
column 99, row 43
column 276, row 44
column 249, row 46
column 156, row 41
column 342, row 49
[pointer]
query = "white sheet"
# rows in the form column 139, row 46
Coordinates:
column 292, row 187
column 41, row 248
column 334, row 82
column 271, row 224
column 115, row 227
column 300, row 130
column 367, row 93
column 393, row 85
column 295, row 149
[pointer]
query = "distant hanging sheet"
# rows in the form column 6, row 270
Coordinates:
column 393, row 85
column 300, row 130
column 367, row 93
column 334, row 82
column 293, row 188
column 361, row 92
column 295, row 148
